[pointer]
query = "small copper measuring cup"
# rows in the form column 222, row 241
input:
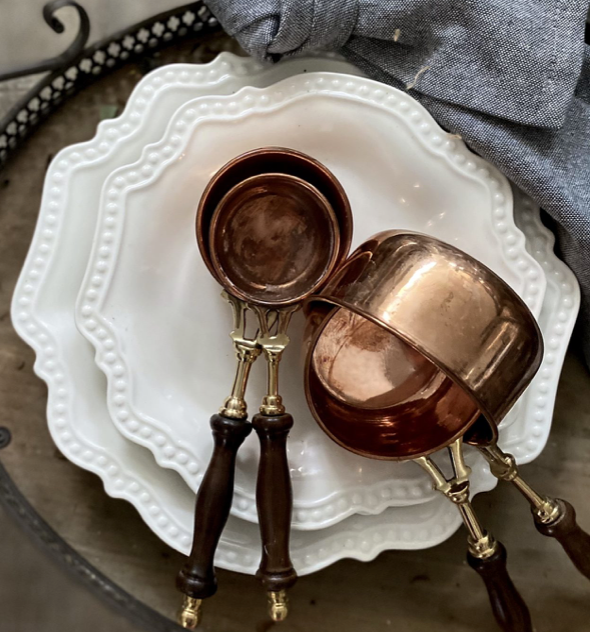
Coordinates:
column 272, row 160
column 450, row 348
column 270, row 238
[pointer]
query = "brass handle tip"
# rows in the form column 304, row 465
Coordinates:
column 278, row 605
column 190, row 613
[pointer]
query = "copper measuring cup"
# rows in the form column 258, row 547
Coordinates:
column 450, row 348
column 270, row 238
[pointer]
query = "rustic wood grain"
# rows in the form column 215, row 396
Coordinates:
column 411, row 591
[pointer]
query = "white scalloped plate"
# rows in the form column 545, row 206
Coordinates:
column 42, row 313
column 153, row 312
column 77, row 414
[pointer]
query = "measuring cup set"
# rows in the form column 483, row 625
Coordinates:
column 412, row 347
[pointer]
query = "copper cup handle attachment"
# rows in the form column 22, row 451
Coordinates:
column 485, row 554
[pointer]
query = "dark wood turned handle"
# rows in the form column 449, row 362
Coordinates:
column 575, row 542
column 508, row 606
column 197, row 577
column 274, row 501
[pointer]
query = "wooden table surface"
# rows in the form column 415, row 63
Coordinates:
column 410, row 591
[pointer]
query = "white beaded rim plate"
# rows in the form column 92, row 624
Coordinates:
column 42, row 313
column 175, row 450
column 127, row 470
column 557, row 319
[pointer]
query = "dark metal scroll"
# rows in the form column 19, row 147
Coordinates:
column 70, row 54
column 77, row 67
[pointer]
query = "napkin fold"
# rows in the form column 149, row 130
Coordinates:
column 511, row 78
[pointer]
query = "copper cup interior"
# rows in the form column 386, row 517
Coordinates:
column 273, row 160
column 378, row 397
column 274, row 239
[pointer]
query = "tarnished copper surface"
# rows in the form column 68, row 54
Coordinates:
column 445, row 306
column 273, row 239
column 273, row 160
column 376, row 396
column 449, row 307
column 364, row 365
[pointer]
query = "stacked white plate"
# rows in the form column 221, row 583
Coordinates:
column 147, row 316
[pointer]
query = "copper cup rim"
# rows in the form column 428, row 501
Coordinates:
column 482, row 435
column 400, row 336
column 308, row 369
column 341, row 209
column 225, row 207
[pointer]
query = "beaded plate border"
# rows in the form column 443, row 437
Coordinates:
column 128, row 485
column 74, row 74
column 178, row 455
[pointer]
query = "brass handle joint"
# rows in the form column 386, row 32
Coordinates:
column 547, row 511
column 456, row 488
column 247, row 354
column 273, row 340
column 458, row 493
column 504, row 467
column 483, row 547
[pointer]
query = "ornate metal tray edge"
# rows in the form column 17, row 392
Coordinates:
column 77, row 67
column 68, row 73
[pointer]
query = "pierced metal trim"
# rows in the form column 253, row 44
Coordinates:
column 5, row 437
column 74, row 70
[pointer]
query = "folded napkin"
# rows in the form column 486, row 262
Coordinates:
column 511, row 77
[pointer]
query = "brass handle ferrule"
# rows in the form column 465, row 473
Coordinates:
column 481, row 544
column 273, row 345
column 272, row 402
column 235, row 405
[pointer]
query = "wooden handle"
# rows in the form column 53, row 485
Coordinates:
column 274, row 501
column 197, row 577
column 575, row 542
column 508, row 606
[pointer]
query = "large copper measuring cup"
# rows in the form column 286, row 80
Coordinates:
column 448, row 348
column 272, row 225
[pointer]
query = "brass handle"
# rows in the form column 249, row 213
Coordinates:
column 197, row 578
column 274, row 501
column 554, row 518
column 565, row 529
column 485, row 555
column 508, row 606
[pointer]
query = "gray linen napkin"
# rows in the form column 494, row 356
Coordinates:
column 512, row 77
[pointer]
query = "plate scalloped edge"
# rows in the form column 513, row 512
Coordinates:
column 48, row 365
column 118, row 480
column 177, row 455
column 122, row 483
column 526, row 442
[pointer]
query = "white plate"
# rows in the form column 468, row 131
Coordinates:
column 42, row 313
column 153, row 311
column 77, row 415
column 87, row 437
